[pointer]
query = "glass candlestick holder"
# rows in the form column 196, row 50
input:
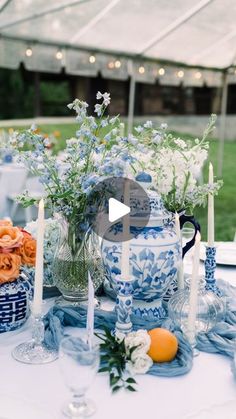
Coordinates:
column 210, row 311
column 35, row 351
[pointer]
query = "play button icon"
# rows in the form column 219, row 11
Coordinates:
column 116, row 210
column 111, row 210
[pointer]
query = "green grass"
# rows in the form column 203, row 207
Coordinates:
column 225, row 202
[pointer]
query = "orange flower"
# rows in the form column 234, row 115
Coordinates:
column 56, row 134
column 9, row 267
column 10, row 237
column 5, row 223
column 28, row 250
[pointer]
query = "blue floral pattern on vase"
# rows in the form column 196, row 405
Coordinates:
column 210, row 266
column 14, row 303
column 154, row 253
column 124, row 302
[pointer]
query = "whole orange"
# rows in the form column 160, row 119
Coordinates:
column 164, row 345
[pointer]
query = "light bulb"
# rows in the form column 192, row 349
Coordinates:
column 161, row 71
column 198, row 75
column 141, row 70
column 92, row 59
column 59, row 55
column 111, row 65
column 117, row 64
column 28, row 52
column 180, row 74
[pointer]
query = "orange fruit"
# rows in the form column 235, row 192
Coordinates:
column 164, row 345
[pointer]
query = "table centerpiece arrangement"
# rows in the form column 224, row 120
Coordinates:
column 100, row 150
column 131, row 344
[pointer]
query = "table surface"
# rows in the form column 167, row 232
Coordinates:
column 209, row 382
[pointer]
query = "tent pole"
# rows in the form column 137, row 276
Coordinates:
column 132, row 87
column 224, row 100
column 37, row 99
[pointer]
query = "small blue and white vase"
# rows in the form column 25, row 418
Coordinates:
column 15, row 303
column 124, row 302
column 155, row 251
column 210, row 267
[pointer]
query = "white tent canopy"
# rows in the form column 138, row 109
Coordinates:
column 192, row 32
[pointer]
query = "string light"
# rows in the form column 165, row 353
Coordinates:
column 161, row 71
column 111, row 65
column 59, row 55
column 28, row 52
column 141, row 69
column 117, row 64
column 198, row 75
column 180, row 74
column 92, row 59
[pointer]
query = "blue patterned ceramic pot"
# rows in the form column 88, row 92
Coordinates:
column 14, row 303
column 154, row 255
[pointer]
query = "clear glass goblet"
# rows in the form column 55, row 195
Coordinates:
column 78, row 364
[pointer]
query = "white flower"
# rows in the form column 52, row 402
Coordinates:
column 164, row 126
column 157, row 139
column 114, row 131
column 98, row 109
column 138, row 129
column 141, row 339
column 113, row 120
column 180, row 143
column 33, row 127
column 140, row 364
column 99, row 95
column 71, row 142
column 106, row 98
column 148, row 124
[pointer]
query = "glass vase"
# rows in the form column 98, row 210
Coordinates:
column 210, row 309
column 78, row 254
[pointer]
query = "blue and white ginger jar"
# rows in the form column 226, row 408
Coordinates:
column 155, row 252
column 15, row 303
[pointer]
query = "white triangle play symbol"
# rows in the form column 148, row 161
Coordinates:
column 117, row 210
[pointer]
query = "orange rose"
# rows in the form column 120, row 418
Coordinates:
column 9, row 267
column 28, row 250
column 10, row 237
column 5, row 223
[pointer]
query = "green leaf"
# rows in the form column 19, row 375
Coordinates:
column 131, row 380
column 103, row 369
column 114, row 380
column 116, row 388
column 130, row 388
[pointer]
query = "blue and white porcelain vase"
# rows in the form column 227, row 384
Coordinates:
column 154, row 255
column 15, row 303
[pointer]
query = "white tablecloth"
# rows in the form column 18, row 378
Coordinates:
column 209, row 382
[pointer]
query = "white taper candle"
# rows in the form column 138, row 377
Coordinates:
column 194, row 286
column 38, row 282
column 90, row 312
column 211, row 222
column 180, row 273
column 126, row 227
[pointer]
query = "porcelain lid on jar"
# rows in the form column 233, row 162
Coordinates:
column 152, row 203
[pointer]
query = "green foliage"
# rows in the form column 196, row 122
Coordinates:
column 114, row 360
